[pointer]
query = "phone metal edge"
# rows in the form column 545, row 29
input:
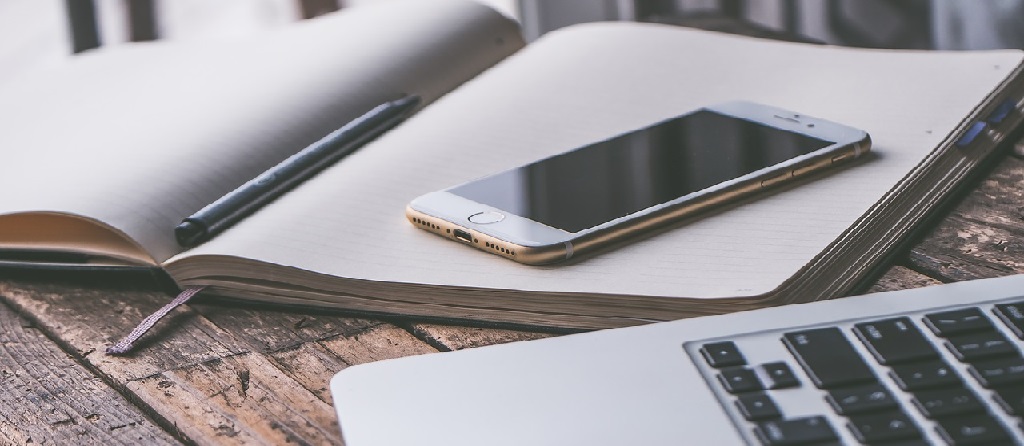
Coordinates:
column 676, row 212
column 607, row 234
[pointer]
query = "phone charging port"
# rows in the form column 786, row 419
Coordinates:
column 463, row 235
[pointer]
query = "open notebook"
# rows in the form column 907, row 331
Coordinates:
column 108, row 159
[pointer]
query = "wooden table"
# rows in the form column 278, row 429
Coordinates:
column 230, row 375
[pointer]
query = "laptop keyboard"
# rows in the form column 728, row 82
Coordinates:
column 941, row 376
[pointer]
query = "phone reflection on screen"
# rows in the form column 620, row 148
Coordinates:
column 589, row 186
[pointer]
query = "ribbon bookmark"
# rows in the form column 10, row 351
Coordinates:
column 127, row 344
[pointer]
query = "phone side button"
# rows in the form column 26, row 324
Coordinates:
column 776, row 180
column 841, row 157
column 813, row 167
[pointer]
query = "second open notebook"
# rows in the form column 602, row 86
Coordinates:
column 341, row 240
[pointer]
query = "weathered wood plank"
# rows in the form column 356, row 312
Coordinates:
column 982, row 235
column 243, row 399
column 961, row 249
column 310, row 348
column 87, row 320
column 270, row 329
column 450, row 338
column 999, row 199
column 289, row 357
column 313, row 364
column 48, row 398
column 901, row 278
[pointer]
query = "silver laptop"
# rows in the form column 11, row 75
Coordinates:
column 936, row 365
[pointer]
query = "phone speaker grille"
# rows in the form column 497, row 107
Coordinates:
column 427, row 224
column 500, row 249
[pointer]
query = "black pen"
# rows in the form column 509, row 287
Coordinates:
column 255, row 193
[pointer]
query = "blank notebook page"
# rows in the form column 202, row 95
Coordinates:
column 591, row 82
column 142, row 136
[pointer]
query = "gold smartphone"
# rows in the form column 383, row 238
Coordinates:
column 577, row 202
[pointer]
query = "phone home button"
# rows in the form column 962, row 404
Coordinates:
column 484, row 218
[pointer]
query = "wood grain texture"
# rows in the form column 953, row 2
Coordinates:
column 215, row 374
column 313, row 364
column 242, row 399
column 46, row 397
column 901, row 278
column 451, row 338
column 86, row 320
column 998, row 200
column 271, row 329
column 964, row 250
column 984, row 234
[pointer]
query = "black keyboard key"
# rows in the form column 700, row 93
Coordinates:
column 894, row 341
column 739, row 380
column 780, row 376
column 998, row 372
column 945, row 402
column 954, row 322
column 1011, row 399
column 975, row 346
column 854, row 400
column 973, row 429
column 722, row 354
column 883, row 427
column 795, row 432
column 758, row 406
column 1013, row 316
column 914, row 442
column 924, row 375
column 828, row 358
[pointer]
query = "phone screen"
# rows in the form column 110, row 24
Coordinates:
column 598, row 183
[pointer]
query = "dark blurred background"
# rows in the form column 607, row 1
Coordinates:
column 921, row 24
column 40, row 32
